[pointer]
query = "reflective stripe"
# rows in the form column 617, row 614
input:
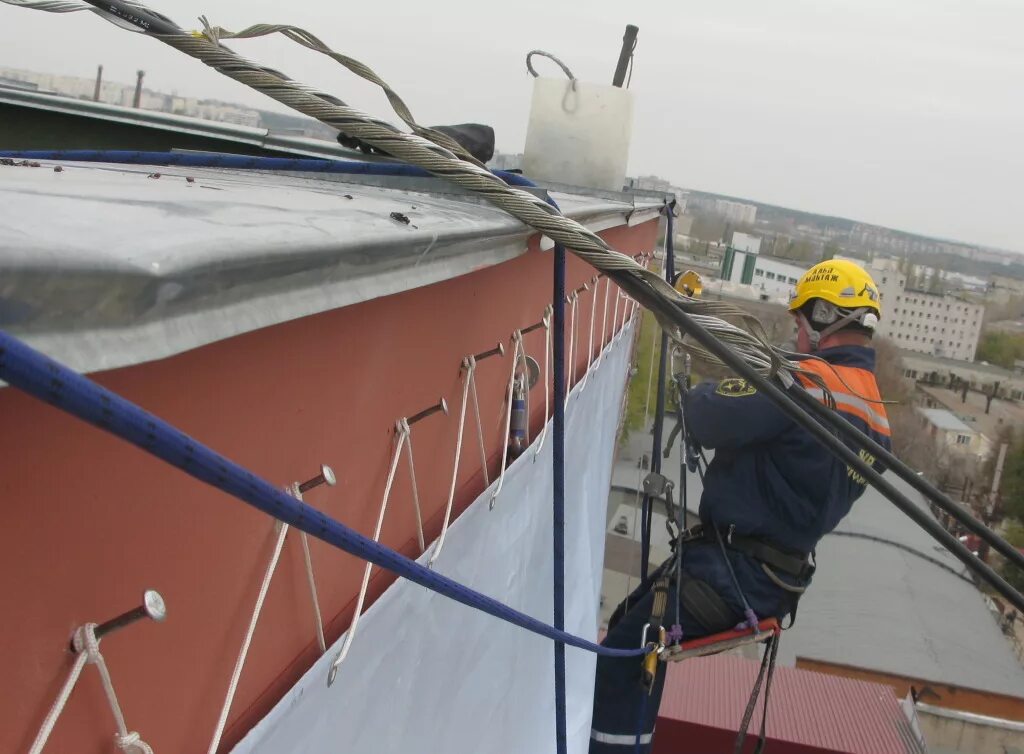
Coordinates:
column 619, row 739
column 853, row 402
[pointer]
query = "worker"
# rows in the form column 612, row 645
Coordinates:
column 771, row 492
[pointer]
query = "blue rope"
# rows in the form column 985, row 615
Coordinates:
column 558, row 480
column 243, row 162
column 53, row 383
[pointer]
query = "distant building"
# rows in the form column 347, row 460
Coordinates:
column 736, row 212
column 937, row 324
column 979, row 376
column 113, row 93
column 649, row 183
column 1002, row 289
column 769, row 276
column 952, row 435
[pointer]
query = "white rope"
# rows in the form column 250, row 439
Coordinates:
column 468, row 368
column 317, row 616
column 294, row 491
column 604, row 318
column 87, row 649
column 571, row 352
column 547, row 382
column 124, row 739
column 402, row 434
column 517, row 340
column 415, row 489
column 518, row 335
column 590, row 338
column 244, row 651
column 479, row 425
column 58, row 705
column 615, row 314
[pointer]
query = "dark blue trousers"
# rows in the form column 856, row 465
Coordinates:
column 622, row 705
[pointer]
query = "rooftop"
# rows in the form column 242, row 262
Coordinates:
column 946, row 365
column 887, row 598
column 944, row 419
column 1001, row 413
column 812, row 712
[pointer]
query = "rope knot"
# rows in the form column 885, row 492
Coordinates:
column 132, row 741
column 85, row 642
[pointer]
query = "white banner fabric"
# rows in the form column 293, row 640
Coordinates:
column 427, row 675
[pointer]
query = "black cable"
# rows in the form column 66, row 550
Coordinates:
column 912, row 478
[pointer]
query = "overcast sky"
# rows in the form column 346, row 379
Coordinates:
column 905, row 113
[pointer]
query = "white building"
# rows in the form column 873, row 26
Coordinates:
column 770, row 277
column 736, row 212
column 941, row 325
column 951, row 435
column 114, row 93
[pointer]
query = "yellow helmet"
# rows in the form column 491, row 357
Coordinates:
column 841, row 282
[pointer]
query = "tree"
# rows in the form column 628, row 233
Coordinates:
column 1011, row 487
column 1002, row 348
column 1014, row 534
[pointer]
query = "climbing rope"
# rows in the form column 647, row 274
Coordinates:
column 87, row 649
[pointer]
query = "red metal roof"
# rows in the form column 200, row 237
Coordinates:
column 808, row 712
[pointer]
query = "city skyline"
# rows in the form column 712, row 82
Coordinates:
column 902, row 117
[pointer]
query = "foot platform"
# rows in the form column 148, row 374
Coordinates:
column 715, row 643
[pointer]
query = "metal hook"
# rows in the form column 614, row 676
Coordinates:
column 326, row 476
column 152, row 606
column 442, row 406
column 498, row 350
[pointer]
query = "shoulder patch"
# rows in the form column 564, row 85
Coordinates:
column 735, row 387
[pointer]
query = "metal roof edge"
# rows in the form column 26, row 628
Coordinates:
column 902, row 676
column 970, row 717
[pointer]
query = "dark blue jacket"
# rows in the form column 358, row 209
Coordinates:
column 769, row 477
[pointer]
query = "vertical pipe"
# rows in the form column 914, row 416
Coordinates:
column 628, row 43
column 558, row 483
column 99, row 81
column 138, row 89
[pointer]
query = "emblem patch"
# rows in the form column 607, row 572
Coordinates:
column 735, row 387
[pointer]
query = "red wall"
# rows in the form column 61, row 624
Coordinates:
column 91, row 521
